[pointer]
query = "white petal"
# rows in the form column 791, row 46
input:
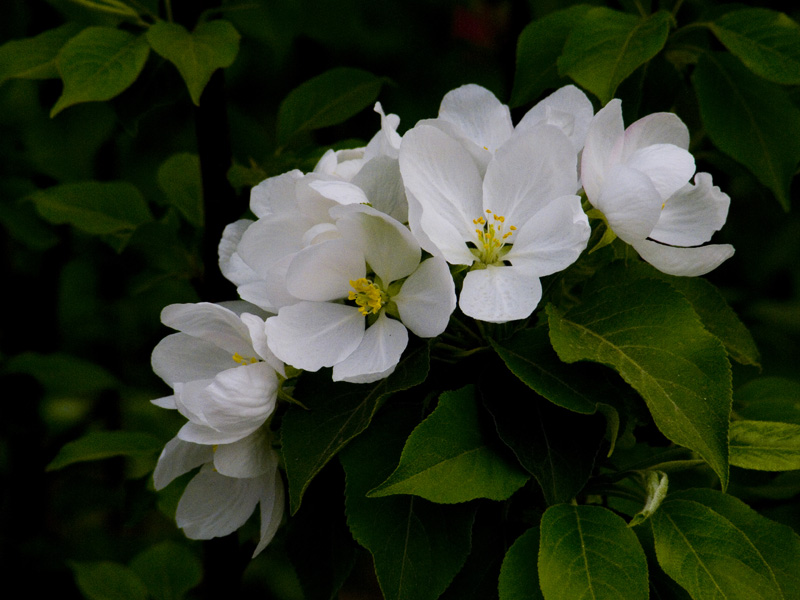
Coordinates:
column 341, row 192
column 179, row 457
column 567, row 108
column 214, row 505
column 387, row 141
column 552, row 239
column 312, row 335
column 209, row 322
column 179, row 357
column 478, row 115
column 258, row 333
column 249, row 457
column 381, row 181
column 165, row 402
column 667, row 166
column 535, row 166
column 500, row 294
column 692, row 214
column 377, row 355
column 600, row 150
column 267, row 241
column 656, row 128
column 231, row 264
column 323, row 271
column 630, row 202
column 272, row 503
column 427, row 298
column 274, row 195
column 687, row 262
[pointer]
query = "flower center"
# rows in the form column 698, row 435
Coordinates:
column 368, row 296
column 244, row 360
column 492, row 238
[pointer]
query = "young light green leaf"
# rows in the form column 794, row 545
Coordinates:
column 699, row 534
column 337, row 412
column 649, row 333
column 657, row 485
column 98, row 445
column 97, row 64
column 417, row 546
column 212, row 45
column 108, row 581
column 179, row 178
column 448, row 458
column 766, row 41
column 34, row 58
column 769, row 399
column 765, row 445
column 325, row 100
column 589, row 552
column 169, row 570
column 606, row 46
column 519, row 577
column 750, row 119
column 538, row 47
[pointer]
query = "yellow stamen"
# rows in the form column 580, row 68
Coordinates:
column 244, row 361
column 367, row 295
column 491, row 238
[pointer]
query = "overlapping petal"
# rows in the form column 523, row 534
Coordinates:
column 500, row 294
column 377, row 355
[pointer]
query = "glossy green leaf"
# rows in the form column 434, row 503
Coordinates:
column 34, row 58
column 589, row 552
column 168, row 570
column 212, row 45
column 449, row 459
column 180, row 180
column 769, row 399
column 98, row 445
column 108, row 581
column 519, row 576
column 765, row 445
column 649, row 333
column 417, row 546
column 767, row 41
column 538, row 47
column 606, row 46
column 99, row 63
column 336, row 413
column 325, row 100
column 750, row 119
column 700, row 534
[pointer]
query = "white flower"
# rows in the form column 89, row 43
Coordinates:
column 518, row 222
column 220, row 368
column 639, row 179
column 360, row 340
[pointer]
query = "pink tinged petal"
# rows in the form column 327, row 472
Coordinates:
column 214, row 505
column 602, row 147
column 312, row 335
column 377, row 355
column 180, row 358
column 667, row 166
column 567, row 108
column 656, row 128
column 381, row 181
column 179, row 457
column 443, row 178
column 231, row 264
column 258, row 333
column 686, row 262
column 427, row 298
column 250, row 456
column 323, row 272
column 500, row 294
column 630, row 202
column 527, row 172
column 209, row 322
column 552, row 239
column 478, row 115
column 271, row 196
column 340, row 192
column 692, row 215
column 272, row 504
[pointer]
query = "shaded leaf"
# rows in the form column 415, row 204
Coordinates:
column 769, row 399
column 519, row 577
column 179, row 178
column 765, row 445
column 62, row 374
column 34, row 58
column 169, row 570
column 98, row 445
column 108, row 581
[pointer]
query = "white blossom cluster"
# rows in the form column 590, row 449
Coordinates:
column 341, row 263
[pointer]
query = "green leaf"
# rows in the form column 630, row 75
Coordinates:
column 606, row 46
column 169, row 570
column 212, row 45
column 749, row 119
column 34, row 58
column 100, row 208
column 656, row 484
column 62, row 374
column 700, row 534
column 180, row 180
column 538, row 48
column 97, row 64
column 325, row 100
column 417, row 546
column 765, row 445
column 337, row 412
column 769, row 399
column 98, row 445
column 108, row 581
column 519, row 577
column 766, row 41
column 449, row 459
column 649, row 333
column 589, row 552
